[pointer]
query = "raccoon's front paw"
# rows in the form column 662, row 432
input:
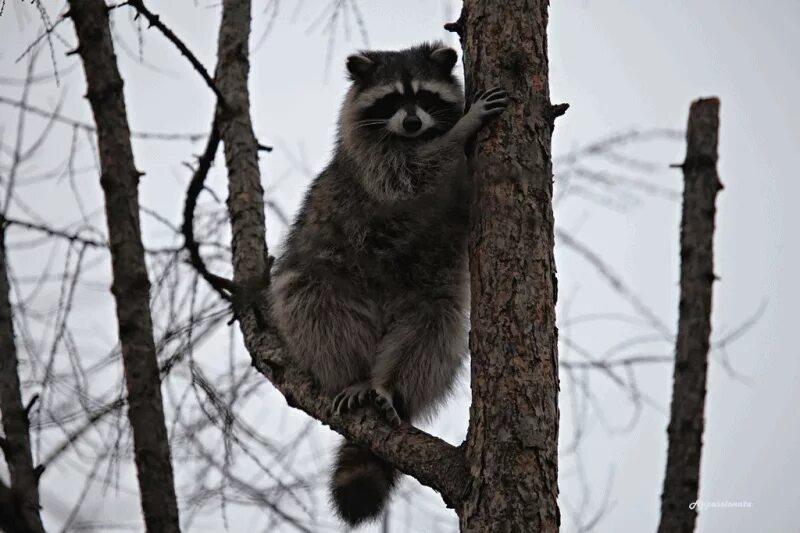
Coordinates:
column 488, row 104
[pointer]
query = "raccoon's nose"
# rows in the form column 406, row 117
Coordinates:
column 412, row 123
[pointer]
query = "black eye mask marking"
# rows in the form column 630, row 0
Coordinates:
column 444, row 113
column 430, row 101
column 384, row 107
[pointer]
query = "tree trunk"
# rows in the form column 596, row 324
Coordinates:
column 19, row 504
column 131, row 286
column 513, row 434
column 685, row 432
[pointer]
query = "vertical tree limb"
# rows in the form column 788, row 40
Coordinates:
column 19, row 503
column 245, row 193
column 513, row 434
column 131, row 286
column 685, row 431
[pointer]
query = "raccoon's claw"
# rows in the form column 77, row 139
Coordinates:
column 383, row 401
column 490, row 103
column 362, row 394
column 352, row 398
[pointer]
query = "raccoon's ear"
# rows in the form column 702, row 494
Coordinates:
column 445, row 57
column 359, row 66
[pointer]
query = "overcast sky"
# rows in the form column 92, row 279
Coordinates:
column 622, row 65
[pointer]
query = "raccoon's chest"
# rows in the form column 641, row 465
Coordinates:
column 384, row 236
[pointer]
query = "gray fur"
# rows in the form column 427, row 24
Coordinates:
column 371, row 293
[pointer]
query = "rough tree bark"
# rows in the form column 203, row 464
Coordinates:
column 685, row 431
column 19, row 503
column 513, row 434
column 131, row 286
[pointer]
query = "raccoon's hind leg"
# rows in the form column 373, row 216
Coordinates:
column 329, row 327
column 419, row 356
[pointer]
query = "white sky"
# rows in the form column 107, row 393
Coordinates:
column 621, row 64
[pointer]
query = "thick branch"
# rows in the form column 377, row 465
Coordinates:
column 513, row 433
column 685, row 432
column 432, row 461
column 22, row 498
column 131, row 287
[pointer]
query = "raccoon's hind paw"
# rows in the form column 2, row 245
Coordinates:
column 361, row 395
column 352, row 397
column 384, row 403
column 488, row 104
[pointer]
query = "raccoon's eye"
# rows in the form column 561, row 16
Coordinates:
column 384, row 107
column 429, row 100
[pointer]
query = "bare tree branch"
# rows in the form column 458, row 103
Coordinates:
column 685, row 431
column 223, row 286
column 131, row 287
column 51, row 115
column 155, row 20
column 20, row 502
column 615, row 281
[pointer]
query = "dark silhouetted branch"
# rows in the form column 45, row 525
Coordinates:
column 224, row 287
column 155, row 21
column 685, row 431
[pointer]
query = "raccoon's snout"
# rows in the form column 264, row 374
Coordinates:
column 412, row 123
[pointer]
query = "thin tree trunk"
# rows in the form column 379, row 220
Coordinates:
column 19, row 503
column 245, row 193
column 131, row 286
column 685, row 431
column 512, row 440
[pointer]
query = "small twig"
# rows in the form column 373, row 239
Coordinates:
column 30, row 405
column 155, row 21
column 558, row 110
column 54, row 116
column 615, row 282
column 49, row 28
column 459, row 25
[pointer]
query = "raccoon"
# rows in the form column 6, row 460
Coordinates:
column 371, row 291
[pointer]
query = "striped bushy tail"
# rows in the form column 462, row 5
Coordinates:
column 361, row 483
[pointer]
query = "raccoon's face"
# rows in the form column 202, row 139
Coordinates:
column 406, row 95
